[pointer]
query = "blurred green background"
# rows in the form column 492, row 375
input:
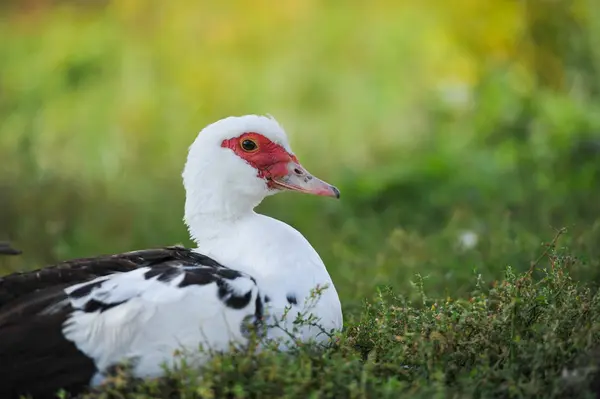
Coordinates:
column 461, row 134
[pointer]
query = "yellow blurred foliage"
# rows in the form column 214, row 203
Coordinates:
column 123, row 78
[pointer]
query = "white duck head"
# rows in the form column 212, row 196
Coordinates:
column 235, row 163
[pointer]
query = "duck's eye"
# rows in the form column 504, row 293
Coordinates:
column 249, row 145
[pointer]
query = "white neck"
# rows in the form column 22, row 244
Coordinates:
column 211, row 207
column 220, row 188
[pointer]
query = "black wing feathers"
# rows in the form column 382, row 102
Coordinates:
column 35, row 358
column 76, row 271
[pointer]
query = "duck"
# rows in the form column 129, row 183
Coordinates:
column 67, row 326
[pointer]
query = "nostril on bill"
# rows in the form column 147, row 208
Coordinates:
column 298, row 172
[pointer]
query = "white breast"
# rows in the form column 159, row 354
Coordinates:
column 284, row 264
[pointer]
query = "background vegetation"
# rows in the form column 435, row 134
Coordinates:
column 461, row 134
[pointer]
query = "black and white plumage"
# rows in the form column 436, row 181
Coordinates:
column 141, row 306
column 65, row 326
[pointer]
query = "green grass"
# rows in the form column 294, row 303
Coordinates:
column 524, row 337
column 98, row 105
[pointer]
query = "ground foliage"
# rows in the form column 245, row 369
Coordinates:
column 531, row 334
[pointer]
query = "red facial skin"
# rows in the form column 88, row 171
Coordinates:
column 269, row 159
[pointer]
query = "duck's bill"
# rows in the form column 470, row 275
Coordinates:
column 298, row 179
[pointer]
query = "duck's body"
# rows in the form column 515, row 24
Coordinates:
column 67, row 325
